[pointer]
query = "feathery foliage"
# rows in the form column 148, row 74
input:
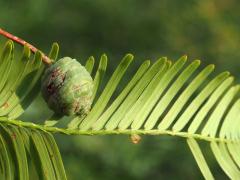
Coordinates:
column 25, row 152
column 172, row 98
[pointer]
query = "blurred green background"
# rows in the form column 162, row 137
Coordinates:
column 206, row 30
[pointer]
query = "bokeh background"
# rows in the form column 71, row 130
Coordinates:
column 206, row 30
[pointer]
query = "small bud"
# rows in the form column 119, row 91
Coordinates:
column 135, row 138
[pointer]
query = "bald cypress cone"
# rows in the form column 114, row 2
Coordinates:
column 67, row 87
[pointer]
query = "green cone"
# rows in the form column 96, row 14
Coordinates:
column 67, row 87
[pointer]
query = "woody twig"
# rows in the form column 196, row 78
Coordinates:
column 18, row 40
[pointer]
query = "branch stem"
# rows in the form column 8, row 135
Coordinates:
column 112, row 132
column 20, row 41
